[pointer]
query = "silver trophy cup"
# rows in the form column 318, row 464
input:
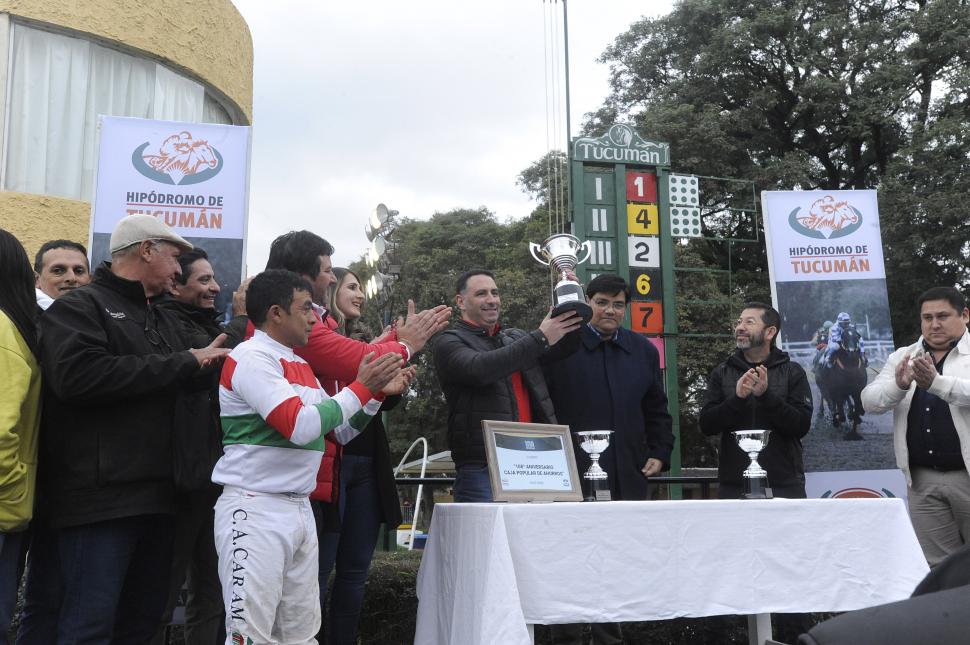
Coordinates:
column 594, row 442
column 755, row 477
column 561, row 251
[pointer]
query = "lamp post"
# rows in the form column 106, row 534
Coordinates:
column 379, row 228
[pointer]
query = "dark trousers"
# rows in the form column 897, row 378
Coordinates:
column 472, row 484
column 603, row 634
column 11, row 568
column 350, row 550
column 196, row 564
column 108, row 578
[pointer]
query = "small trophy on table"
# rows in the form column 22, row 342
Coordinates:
column 594, row 442
column 561, row 251
column 755, row 477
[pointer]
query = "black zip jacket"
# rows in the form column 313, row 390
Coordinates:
column 112, row 365
column 475, row 372
column 197, row 438
column 785, row 408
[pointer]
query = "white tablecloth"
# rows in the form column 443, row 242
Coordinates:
column 490, row 569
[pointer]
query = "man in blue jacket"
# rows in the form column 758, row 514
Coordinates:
column 613, row 382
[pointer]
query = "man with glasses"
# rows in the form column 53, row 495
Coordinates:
column 759, row 387
column 113, row 363
column 613, row 382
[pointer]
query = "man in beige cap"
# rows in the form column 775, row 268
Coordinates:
column 114, row 365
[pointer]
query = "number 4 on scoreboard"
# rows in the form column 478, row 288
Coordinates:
column 642, row 219
column 647, row 317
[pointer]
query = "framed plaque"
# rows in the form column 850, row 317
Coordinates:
column 531, row 462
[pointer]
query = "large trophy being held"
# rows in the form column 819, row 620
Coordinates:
column 561, row 251
column 597, row 485
column 755, row 477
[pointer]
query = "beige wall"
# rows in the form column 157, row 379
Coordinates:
column 34, row 219
column 208, row 39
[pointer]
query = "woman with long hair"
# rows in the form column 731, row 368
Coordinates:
column 366, row 495
column 19, row 415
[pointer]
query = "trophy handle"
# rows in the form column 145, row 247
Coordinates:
column 588, row 246
column 533, row 247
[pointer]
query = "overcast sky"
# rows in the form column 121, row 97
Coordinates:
column 426, row 105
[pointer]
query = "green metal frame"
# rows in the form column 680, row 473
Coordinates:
column 669, row 270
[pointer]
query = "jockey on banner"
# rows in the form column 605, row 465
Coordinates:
column 844, row 333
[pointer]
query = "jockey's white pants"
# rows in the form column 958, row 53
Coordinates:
column 267, row 545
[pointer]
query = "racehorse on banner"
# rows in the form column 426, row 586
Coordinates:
column 841, row 384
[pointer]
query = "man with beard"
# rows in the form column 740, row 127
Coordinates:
column 759, row 387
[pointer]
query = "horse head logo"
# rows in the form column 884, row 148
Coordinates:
column 827, row 218
column 621, row 135
column 179, row 160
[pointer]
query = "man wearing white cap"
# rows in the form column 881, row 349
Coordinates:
column 114, row 366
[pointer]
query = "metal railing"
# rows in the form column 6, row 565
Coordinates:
column 705, row 483
column 804, row 351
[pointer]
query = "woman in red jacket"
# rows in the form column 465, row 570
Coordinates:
column 366, row 495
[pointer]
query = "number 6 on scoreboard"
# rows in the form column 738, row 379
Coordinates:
column 643, row 284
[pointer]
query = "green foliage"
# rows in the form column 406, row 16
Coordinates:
column 546, row 180
column 817, row 94
column 433, row 254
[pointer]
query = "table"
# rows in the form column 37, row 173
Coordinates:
column 490, row 571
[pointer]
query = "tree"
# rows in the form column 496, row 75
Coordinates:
column 546, row 181
column 817, row 94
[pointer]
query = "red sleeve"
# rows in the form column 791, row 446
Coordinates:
column 336, row 357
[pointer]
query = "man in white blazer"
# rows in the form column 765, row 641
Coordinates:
column 927, row 386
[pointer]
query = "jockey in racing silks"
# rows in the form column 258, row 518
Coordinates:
column 843, row 325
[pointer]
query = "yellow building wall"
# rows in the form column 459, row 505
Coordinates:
column 34, row 219
column 207, row 39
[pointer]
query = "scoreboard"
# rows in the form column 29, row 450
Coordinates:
column 630, row 206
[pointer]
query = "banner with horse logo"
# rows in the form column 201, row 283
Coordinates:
column 192, row 176
column 828, row 282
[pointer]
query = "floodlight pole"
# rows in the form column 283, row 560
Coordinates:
column 569, row 152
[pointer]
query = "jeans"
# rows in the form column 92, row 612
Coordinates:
column 42, row 589
column 472, row 484
column 11, row 559
column 196, row 564
column 109, row 579
column 351, row 549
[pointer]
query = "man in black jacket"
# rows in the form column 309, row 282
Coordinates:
column 113, row 363
column 759, row 387
column 489, row 373
column 197, row 447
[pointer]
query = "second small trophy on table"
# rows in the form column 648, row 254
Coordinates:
column 595, row 480
column 755, row 477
